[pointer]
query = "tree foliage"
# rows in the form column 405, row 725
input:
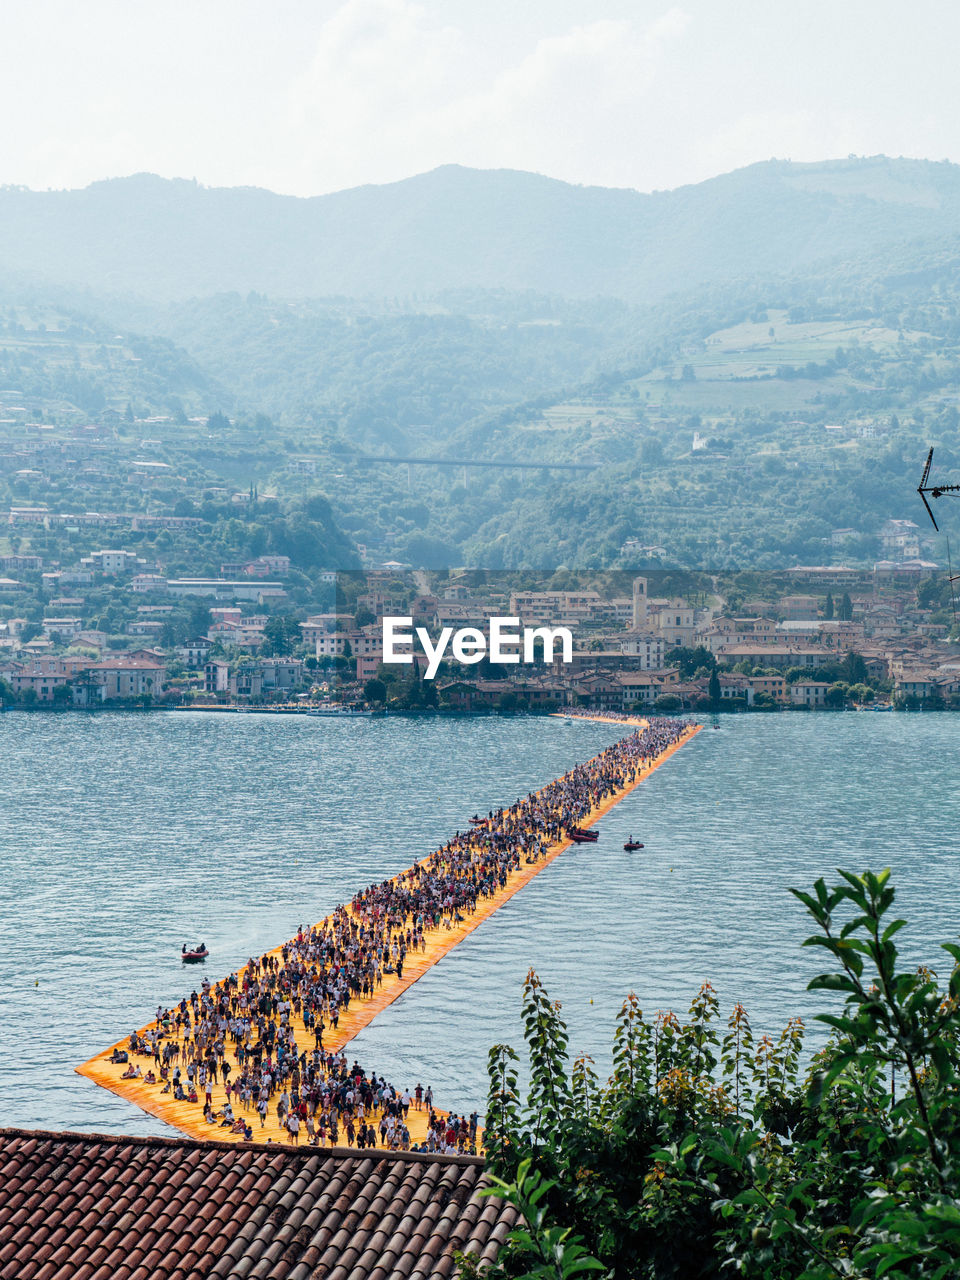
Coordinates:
column 280, row 633
column 708, row 1153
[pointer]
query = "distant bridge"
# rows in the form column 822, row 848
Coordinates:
column 503, row 463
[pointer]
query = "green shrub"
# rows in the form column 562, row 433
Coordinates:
column 708, row 1154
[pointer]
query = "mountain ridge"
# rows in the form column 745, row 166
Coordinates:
column 456, row 227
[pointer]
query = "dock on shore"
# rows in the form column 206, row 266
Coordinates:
column 188, row 1116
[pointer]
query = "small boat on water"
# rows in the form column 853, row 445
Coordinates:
column 338, row 712
column 632, row 844
column 581, row 836
column 195, row 955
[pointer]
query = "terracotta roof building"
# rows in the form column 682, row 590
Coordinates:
column 95, row 1207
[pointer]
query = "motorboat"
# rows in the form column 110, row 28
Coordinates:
column 632, row 845
column 195, row 954
column 339, row 712
column 581, row 836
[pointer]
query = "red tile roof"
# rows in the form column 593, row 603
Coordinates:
column 95, row 1207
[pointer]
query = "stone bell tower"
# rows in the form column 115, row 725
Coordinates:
column 640, row 604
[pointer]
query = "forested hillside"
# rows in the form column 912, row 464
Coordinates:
column 765, row 417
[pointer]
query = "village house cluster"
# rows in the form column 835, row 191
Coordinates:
column 633, row 650
column 769, row 654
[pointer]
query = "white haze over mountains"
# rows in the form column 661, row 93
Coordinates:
column 311, row 96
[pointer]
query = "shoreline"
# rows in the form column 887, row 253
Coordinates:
column 188, row 1118
column 442, row 713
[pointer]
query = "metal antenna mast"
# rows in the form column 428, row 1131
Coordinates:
column 934, row 490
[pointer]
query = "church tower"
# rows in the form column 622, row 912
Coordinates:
column 640, row 606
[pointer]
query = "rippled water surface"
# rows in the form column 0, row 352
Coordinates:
column 123, row 836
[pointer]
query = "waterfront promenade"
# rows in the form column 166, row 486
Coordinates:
column 340, row 973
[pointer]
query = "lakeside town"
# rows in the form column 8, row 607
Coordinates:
column 539, row 388
column 112, row 630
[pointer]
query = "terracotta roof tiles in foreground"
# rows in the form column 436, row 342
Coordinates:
column 94, row 1207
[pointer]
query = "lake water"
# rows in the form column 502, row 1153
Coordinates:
column 123, row 836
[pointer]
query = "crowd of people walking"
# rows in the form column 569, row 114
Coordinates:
column 256, row 1039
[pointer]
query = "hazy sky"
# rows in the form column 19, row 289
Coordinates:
column 309, row 96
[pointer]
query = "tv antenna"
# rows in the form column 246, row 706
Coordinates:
column 937, row 491
column 934, row 490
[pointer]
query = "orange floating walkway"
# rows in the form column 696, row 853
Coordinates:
column 188, row 1116
column 630, row 722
